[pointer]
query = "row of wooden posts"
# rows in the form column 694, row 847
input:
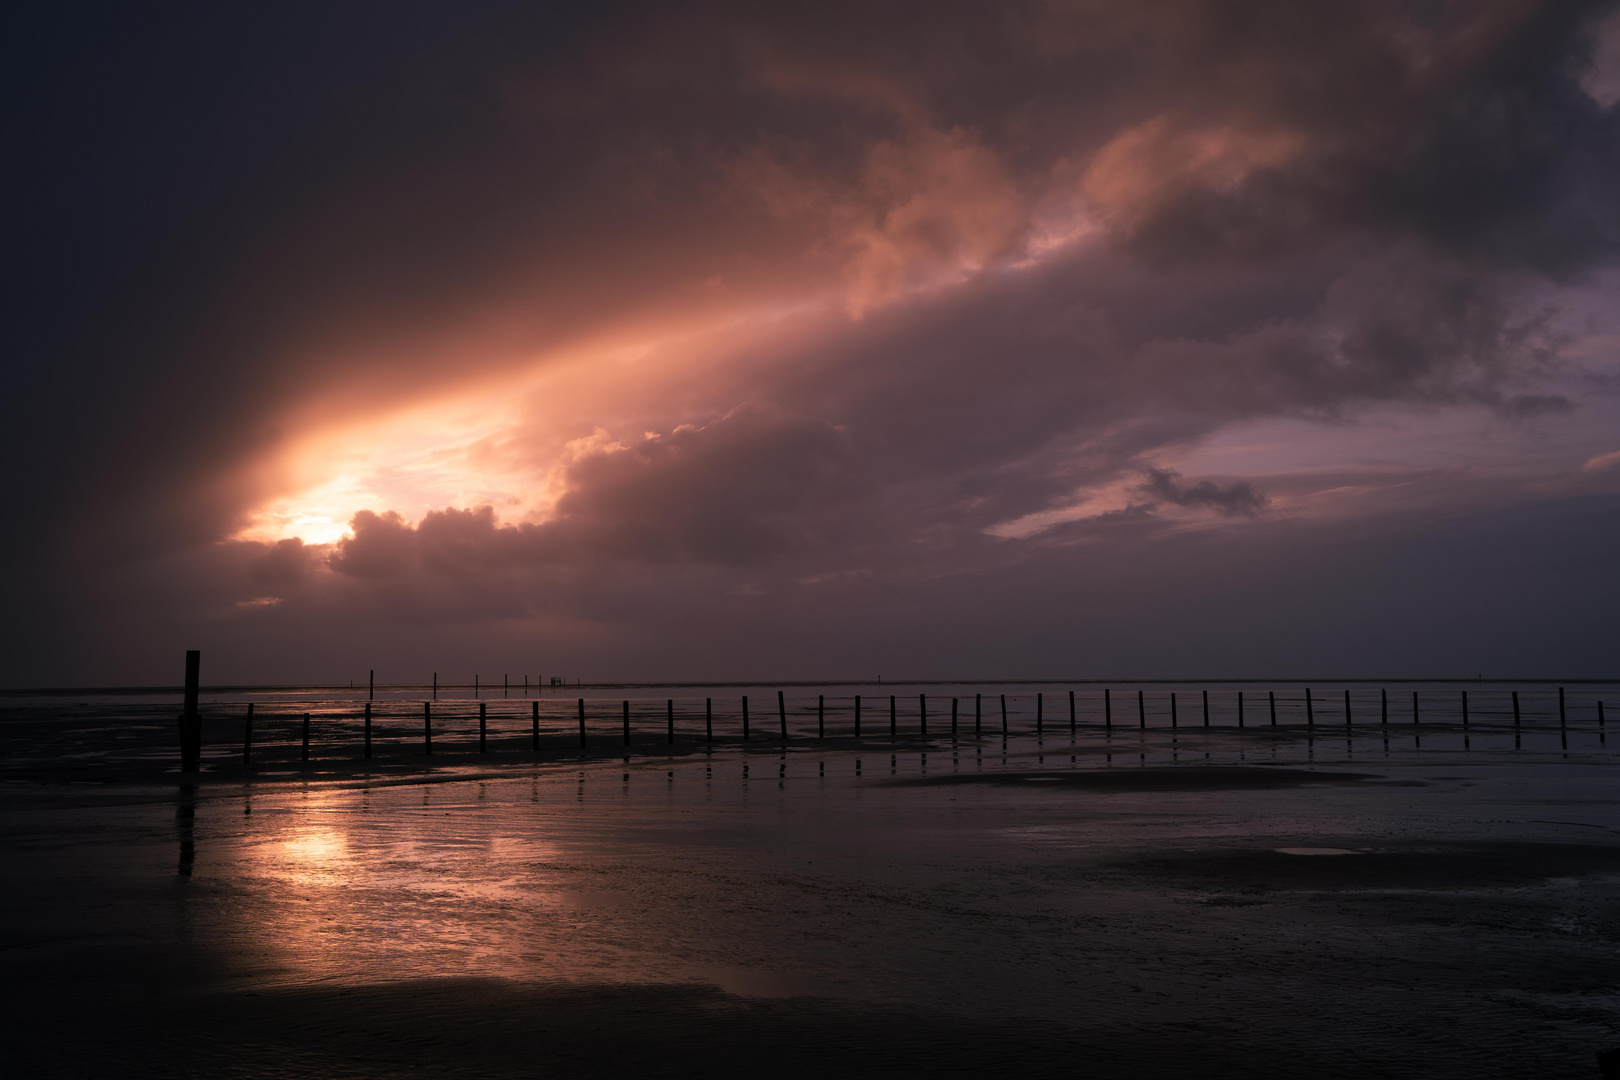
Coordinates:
column 1108, row 724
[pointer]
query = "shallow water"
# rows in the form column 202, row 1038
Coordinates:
column 1125, row 904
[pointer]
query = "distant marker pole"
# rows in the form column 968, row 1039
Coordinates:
column 821, row 716
column 1141, row 711
column 435, row 686
column 626, row 723
column 371, row 684
column 1108, row 710
column 669, row 719
column 1465, row 708
column 1206, row 708
column 1173, row 720
column 1240, row 708
column 781, row 714
column 922, row 715
column 745, row 717
column 953, row 717
column 1271, row 703
column 1071, row 714
column 190, row 717
column 708, row 719
column 1347, row 707
column 1040, row 714
column 582, row 722
column 1003, row 716
column 857, row 716
column 1310, row 709
column 978, row 713
column 1383, row 706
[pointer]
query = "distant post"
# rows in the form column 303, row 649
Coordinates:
column 1003, row 716
column 1108, row 710
column 627, row 723
column 1071, row 712
column 745, row 717
column 190, row 719
column 1141, row 711
column 1173, row 720
column 581, row 722
column 922, row 715
column 1310, row 711
column 781, row 713
column 371, row 684
column 708, row 720
column 1206, row 708
column 821, row 716
column 891, row 717
column 1240, row 708
column 857, row 716
column 1040, row 714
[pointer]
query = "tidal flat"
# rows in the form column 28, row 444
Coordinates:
column 1148, row 902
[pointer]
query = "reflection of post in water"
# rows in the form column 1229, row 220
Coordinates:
column 185, row 814
column 190, row 721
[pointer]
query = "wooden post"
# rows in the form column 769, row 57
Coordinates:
column 1310, row 711
column 190, row 718
column 1040, row 714
column 821, row 716
column 1465, row 708
column 1414, row 707
column 708, row 719
column 1515, row 710
column 305, row 755
column 581, row 722
column 781, row 714
column 1108, row 710
column 1173, row 722
column 669, row 720
column 953, row 718
column 1271, row 703
column 1206, row 708
column 1561, row 724
column 627, row 723
column 525, row 686
column 1240, row 708
column 1141, row 711
column 891, row 717
column 368, row 729
column 978, row 713
column 504, row 684
column 534, row 717
column 922, row 715
column 475, row 686
column 427, row 727
column 1383, row 706
column 1347, row 707
column 1003, row 716
column 435, row 686
column 371, row 685
column 1071, row 713
column 483, row 727
column 745, row 717
column 857, row 716
column 247, row 736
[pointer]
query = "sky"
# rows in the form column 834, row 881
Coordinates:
column 710, row 341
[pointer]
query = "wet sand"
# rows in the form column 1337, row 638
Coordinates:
column 1085, row 909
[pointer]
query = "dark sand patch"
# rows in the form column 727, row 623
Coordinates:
column 1429, row 867
column 1155, row 778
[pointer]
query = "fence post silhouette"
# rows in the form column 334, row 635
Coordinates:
column 1415, row 717
column 1310, row 710
column 953, row 718
column 190, row 717
column 582, row 722
column 669, row 716
column 1173, row 719
column 922, row 715
column 978, row 701
column 1141, row 711
column 821, row 716
column 1108, row 710
column 1040, row 714
column 745, row 717
column 1003, row 716
column 857, row 716
column 1271, row 703
column 1240, row 708
column 1206, row 708
column 708, row 719
column 781, row 714
column 1383, row 706
column 627, row 723
column 892, row 731
column 1071, row 713
column 1347, row 707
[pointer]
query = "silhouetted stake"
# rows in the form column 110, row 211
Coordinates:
column 581, row 721
column 371, row 685
column 1310, row 711
column 708, row 719
column 483, row 727
column 857, row 716
column 627, row 723
column 922, row 715
column 781, row 713
column 1071, row 712
column 1465, row 708
column 978, row 713
column 1040, row 715
column 190, row 718
column 534, row 718
column 1516, row 732
column 745, row 717
column 1174, row 720
column 821, row 716
column 953, row 716
column 1141, row 711
column 475, row 686
column 892, row 731
column 368, row 729
column 1108, row 711
column 1347, row 707
column 1563, row 728
column 669, row 719
column 1560, row 706
column 525, row 686
column 1003, row 716
column 247, row 736
column 427, row 727
column 1206, row 708
column 1271, row 703
column 305, row 755
column 1383, row 706
column 504, row 685
column 435, row 686
column 1414, row 707
column 1240, row 708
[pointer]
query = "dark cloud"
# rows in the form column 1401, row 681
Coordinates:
column 231, row 222
column 1237, row 499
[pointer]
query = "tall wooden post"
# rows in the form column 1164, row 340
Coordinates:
column 857, row 716
column 781, row 714
column 371, row 684
column 892, row 724
column 669, row 717
column 1040, row 714
column 745, row 717
column 821, row 716
column 627, row 723
column 1206, row 708
column 1108, row 710
column 1003, row 716
column 922, row 715
column 708, row 719
column 190, row 718
column 1071, row 712
column 1240, row 708
column 1173, row 720
column 581, row 722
